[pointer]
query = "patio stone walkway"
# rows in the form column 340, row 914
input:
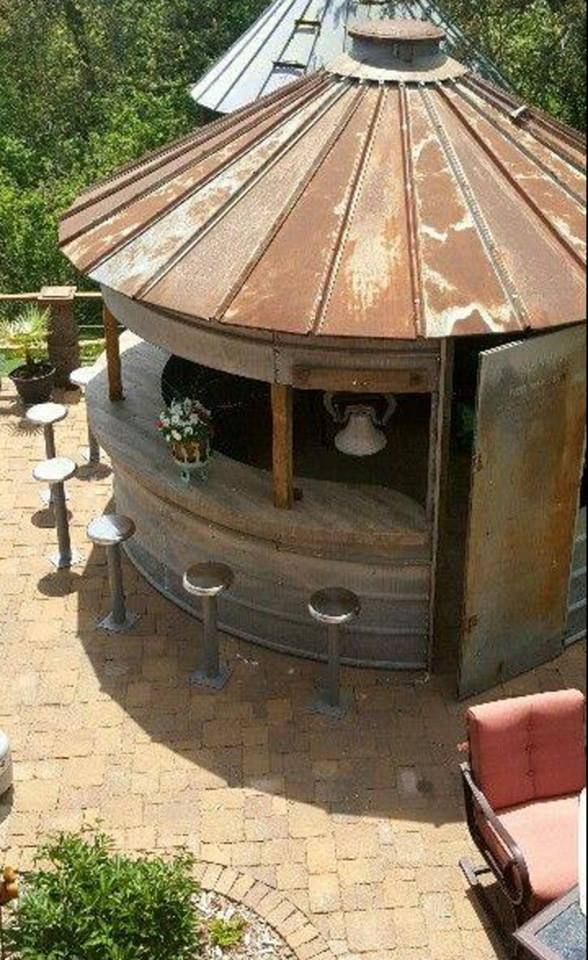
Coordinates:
column 359, row 825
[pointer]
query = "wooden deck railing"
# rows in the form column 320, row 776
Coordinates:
column 64, row 340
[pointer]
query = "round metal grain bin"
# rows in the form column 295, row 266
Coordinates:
column 336, row 250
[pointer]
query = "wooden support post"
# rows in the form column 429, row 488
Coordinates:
column 283, row 445
column 115, row 388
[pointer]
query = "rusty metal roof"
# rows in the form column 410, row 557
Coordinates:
column 340, row 207
column 295, row 37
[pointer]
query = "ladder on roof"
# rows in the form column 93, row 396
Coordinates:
column 291, row 66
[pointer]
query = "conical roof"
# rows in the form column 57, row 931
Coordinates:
column 295, row 37
column 393, row 195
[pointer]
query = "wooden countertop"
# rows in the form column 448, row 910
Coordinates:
column 350, row 521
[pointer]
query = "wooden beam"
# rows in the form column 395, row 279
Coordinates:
column 115, row 387
column 419, row 379
column 33, row 297
column 283, row 445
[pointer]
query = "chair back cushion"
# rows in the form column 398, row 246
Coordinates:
column 529, row 748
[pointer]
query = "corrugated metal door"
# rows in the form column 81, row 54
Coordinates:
column 530, row 435
column 576, row 625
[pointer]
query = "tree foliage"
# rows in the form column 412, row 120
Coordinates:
column 539, row 44
column 87, row 85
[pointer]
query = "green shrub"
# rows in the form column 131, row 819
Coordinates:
column 227, row 933
column 92, row 904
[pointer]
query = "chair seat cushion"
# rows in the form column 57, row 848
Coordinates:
column 547, row 833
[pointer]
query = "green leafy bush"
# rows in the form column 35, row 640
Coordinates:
column 227, row 934
column 89, row 903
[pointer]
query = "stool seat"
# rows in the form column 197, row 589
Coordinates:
column 334, row 606
column 57, row 470
column 46, row 414
column 110, row 530
column 207, row 579
column 82, row 377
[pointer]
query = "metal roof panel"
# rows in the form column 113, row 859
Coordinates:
column 344, row 208
column 294, row 37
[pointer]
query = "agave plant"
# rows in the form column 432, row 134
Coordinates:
column 26, row 335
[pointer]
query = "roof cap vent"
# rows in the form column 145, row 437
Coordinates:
column 397, row 50
column 382, row 43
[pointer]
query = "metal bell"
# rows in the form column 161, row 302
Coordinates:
column 361, row 437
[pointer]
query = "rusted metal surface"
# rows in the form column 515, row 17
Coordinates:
column 295, row 37
column 576, row 625
column 338, row 208
column 529, row 452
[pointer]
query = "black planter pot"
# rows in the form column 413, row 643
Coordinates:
column 37, row 388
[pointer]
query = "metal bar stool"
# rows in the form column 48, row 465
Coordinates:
column 207, row 581
column 111, row 531
column 333, row 607
column 56, row 472
column 46, row 415
column 81, row 378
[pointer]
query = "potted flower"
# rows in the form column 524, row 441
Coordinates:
column 186, row 426
column 26, row 336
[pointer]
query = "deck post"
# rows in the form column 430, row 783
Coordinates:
column 63, row 338
column 283, row 445
column 115, row 387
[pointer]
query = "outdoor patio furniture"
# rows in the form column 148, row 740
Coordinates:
column 111, row 531
column 334, row 607
column 522, row 785
column 582, row 854
column 208, row 581
column 81, row 378
column 56, row 472
column 557, row 933
column 46, row 415
column 6, row 776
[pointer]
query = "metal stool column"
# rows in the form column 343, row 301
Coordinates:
column 111, row 531
column 207, row 581
column 333, row 607
column 56, row 472
column 46, row 415
column 81, row 378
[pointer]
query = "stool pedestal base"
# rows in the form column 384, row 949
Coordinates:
column 110, row 625
column 201, row 679
column 325, row 709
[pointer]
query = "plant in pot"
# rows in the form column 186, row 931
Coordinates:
column 186, row 426
column 26, row 337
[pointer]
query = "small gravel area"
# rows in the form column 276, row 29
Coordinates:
column 259, row 941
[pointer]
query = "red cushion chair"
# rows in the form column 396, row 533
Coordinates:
column 522, row 785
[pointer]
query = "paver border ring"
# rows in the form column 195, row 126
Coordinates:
column 271, row 905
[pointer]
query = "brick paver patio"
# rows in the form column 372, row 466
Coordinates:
column 359, row 824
